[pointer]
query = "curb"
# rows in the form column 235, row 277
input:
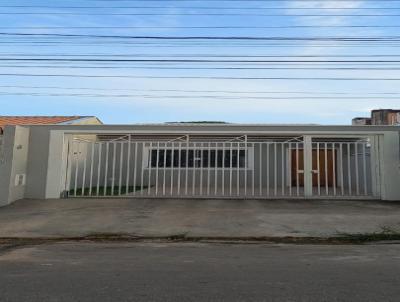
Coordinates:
column 181, row 238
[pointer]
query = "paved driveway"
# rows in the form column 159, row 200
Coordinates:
column 227, row 218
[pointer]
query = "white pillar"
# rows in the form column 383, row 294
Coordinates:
column 308, row 166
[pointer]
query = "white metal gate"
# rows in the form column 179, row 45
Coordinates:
column 292, row 168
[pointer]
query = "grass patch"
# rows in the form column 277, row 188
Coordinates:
column 386, row 234
column 105, row 191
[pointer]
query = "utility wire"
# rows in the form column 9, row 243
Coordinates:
column 197, row 14
column 199, row 7
column 233, row 38
column 202, row 27
column 202, row 77
column 201, row 91
column 241, row 98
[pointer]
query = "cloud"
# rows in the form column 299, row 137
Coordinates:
column 325, row 8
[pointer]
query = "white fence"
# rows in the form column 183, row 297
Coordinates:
column 210, row 169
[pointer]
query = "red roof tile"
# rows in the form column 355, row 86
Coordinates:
column 35, row 120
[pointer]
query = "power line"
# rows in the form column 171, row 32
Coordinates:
column 198, row 14
column 199, row 7
column 194, row 60
column 180, row 55
column 349, row 1
column 202, row 77
column 201, row 27
column 240, row 38
column 189, row 96
column 201, row 91
column 204, row 68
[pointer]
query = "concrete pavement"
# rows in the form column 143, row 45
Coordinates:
column 209, row 218
column 200, row 272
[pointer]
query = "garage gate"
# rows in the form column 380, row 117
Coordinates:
column 214, row 167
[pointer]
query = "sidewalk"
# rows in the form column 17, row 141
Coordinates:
column 196, row 218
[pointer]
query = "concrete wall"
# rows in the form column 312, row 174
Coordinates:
column 13, row 163
column 37, row 163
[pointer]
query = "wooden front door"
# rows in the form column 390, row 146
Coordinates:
column 327, row 168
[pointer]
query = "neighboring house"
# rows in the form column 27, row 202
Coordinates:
column 361, row 121
column 379, row 117
column 202, row 161
column 47, row 120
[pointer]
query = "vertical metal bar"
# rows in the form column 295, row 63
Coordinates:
column 150, row 167
column 179, row 167
column 297, row 169
column 245, row 166
column 135, row 168
column 172, row 168
column 84, row 170
column 113, row 167
column 365, row 169
column 209, row 168
column 230, row 169
column 319, row 169
column 106, row 169
column 275, row 168
column 326, row 169
column 223, row 168
column 76, row 168
column 195, row 146
column 69, row 167
column 253, row 184
column 268, row 161
column 356, row 168
column 216, row 171
column 165, row 167
column 334, row 168
column 128, row 166
column 290, row 167
column 341, row 168
column 201, row 167
column 187, row 168
column 99, row 165
column 142, row 165
column 238, row 170
column 349, row 168
column 121, row 157
column 283, row 168
column 91, row 170
column 157, row 166
column 260, row 166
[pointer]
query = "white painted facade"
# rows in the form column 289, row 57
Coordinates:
column 45, row 154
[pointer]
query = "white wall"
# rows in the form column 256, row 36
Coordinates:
column 45, row 161
column 13, row 162
column 390, row 166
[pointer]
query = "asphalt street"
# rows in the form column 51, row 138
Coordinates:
column 199, row 272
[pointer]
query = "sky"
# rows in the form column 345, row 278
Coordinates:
column 238, row 92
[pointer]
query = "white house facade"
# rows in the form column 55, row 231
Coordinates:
column 201, row 161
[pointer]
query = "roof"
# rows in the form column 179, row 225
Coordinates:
column 36, row 120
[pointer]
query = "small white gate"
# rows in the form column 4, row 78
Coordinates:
column 240, row 168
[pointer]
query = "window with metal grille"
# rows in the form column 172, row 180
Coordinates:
column 191, row 158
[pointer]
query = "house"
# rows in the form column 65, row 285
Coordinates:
column 388, row 117
column 385, row 117
column 201, row 161
column 47, row 120
column 361, row 121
